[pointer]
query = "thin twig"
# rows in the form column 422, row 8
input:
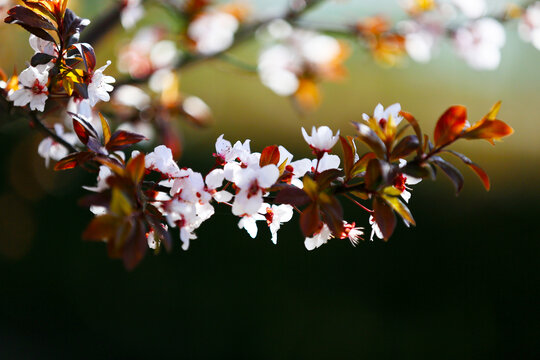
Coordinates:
column 36, row 122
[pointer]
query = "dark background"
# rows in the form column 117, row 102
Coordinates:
column 464, row 284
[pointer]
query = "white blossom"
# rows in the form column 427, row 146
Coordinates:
column 322, row 139
column 213, row 32
column 104, row 174
column 480, row 43
column 380, row 113
column 471, row 8
column 161, row 160
column 42, row 46
column 130, row 95
column 251, row 182
column 99, row 86
column 327, row 162
column 50, row 149
column 529, row 25
column 33, row 88
column 318, row 239
column 132, row 12
column 375, row 230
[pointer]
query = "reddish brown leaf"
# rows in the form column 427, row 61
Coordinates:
column 489, row 130
column 88, row 56
column 406, row 146
column 121, row 139
column 361, row 164
column 269, row 156
column 475, row 167
column 135, row 168
column 310, row 220
column 73, row 160
column 332, row 213
column 384, row 217
column 370, row 138
column 102, row 227
column 450, row 125
column 292, row 195
column 418, row 131
column 482, row 175
column 453, row 174
column 135, row 247
column 325, row 178
column 377, row 174
column 348, row 155
column 81, row 131
column 24, row 16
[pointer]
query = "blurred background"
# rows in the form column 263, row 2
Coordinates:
column 464, row 284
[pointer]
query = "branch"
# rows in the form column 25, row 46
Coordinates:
column 241, row 36
column 36, row 122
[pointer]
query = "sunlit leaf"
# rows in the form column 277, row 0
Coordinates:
column 399, row 207
column 24, row 16
column 135, row 168
column 489, row 130
column 120, row 204
column 269, row 156
column 81, row 131
column 121, row 139
column 450, row 125
column 361, row 164
column 106, row 129
column 310, row 187
column 368, row 136
column 475, row 167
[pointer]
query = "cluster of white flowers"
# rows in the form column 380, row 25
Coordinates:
column 189, row 202
column 478, row 39
column 529, row 26
column 34, row 81
column 293, row 53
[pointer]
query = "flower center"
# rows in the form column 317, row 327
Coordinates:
column 399, row 182
column 269, row 216
column 37, row 88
